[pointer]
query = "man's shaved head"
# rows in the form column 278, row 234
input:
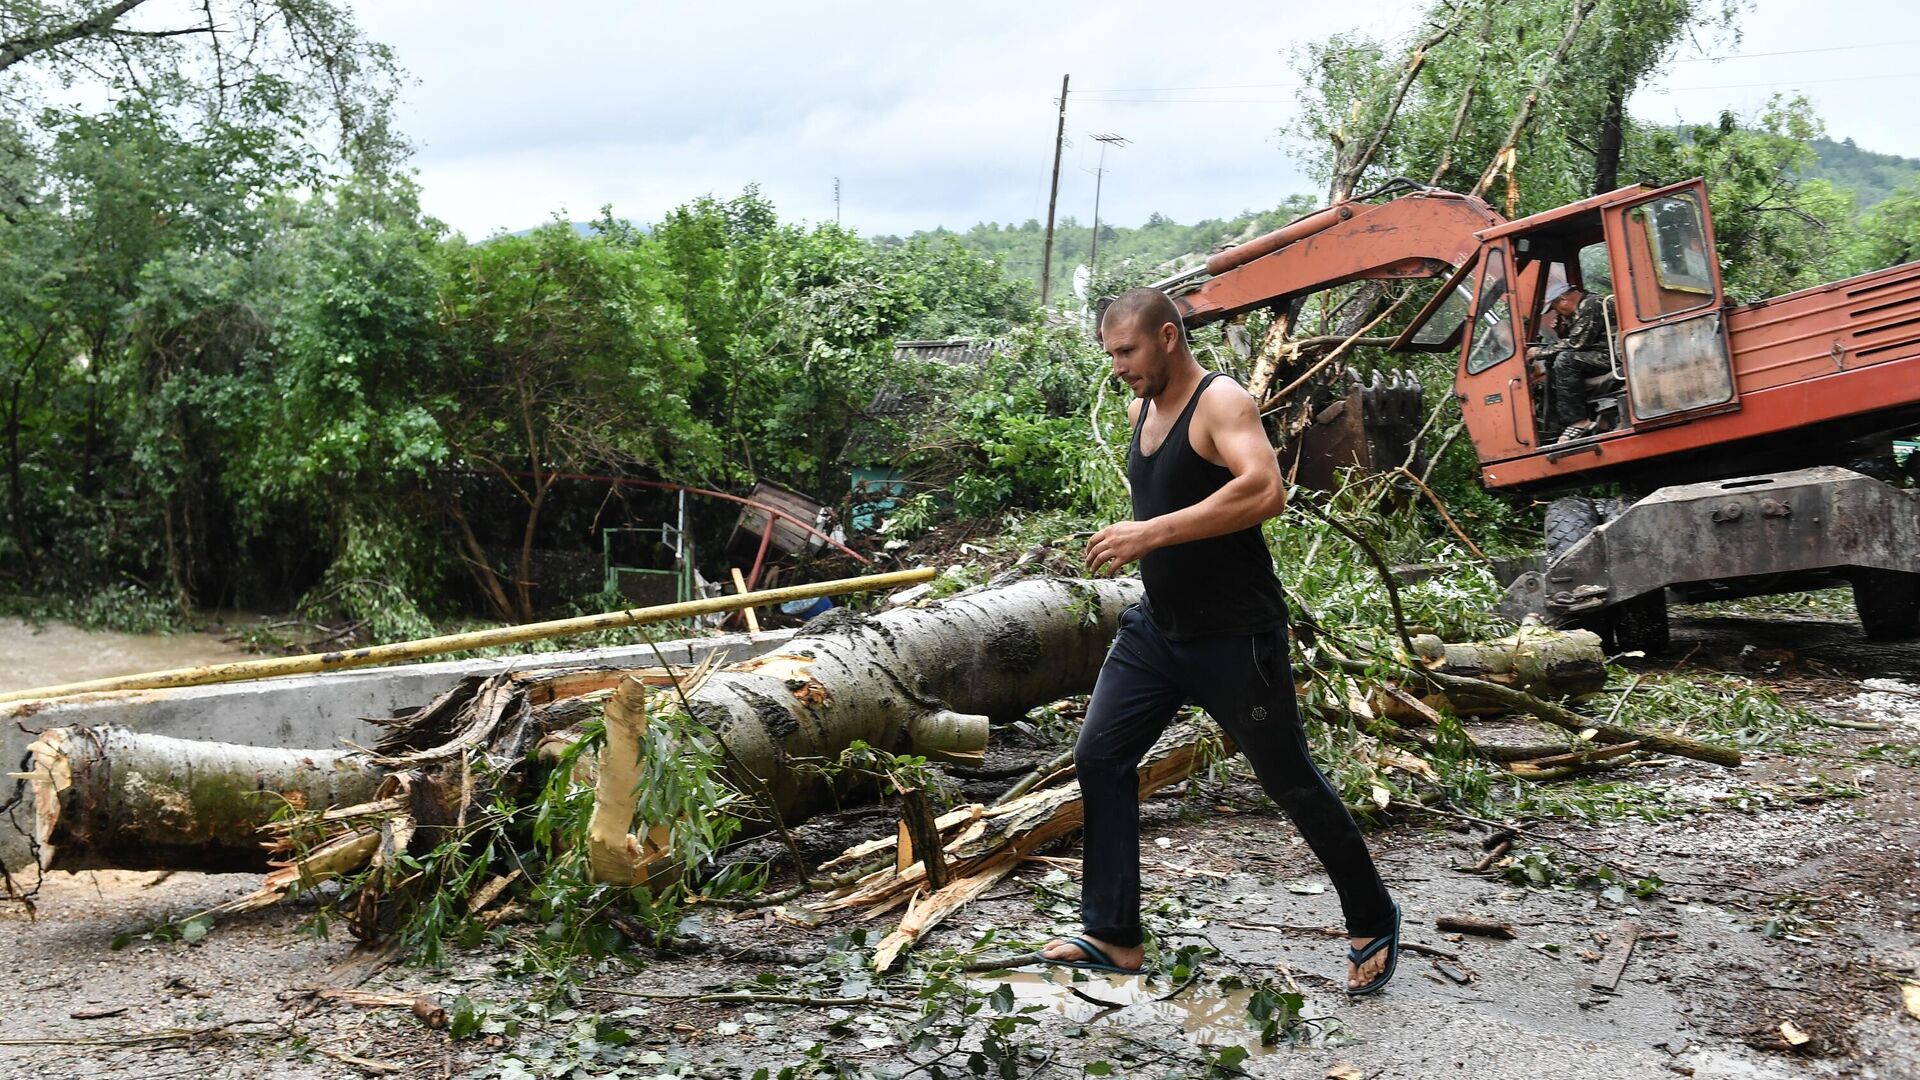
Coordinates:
column 1142, row 331
column 1147, row 309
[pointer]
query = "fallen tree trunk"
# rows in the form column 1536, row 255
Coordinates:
column 923, row 680
column 1544, row 663
column 109, row 797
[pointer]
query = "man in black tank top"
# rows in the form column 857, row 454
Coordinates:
column 1213, row 630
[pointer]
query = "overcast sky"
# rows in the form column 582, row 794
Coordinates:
column 943, row 114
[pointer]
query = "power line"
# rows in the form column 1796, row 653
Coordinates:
column 1167, row 89
column 1785, row 82
column 1686, row 60
column 1796, row 52
column 1649, row 89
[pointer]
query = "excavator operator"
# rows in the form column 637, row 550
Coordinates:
column 1578, row 355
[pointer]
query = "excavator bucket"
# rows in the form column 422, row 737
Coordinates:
column 1373, row 427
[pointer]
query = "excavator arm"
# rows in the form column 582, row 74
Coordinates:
column 1427, row 234
column 1422, row 235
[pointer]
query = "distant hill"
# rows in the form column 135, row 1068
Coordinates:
column 1870, row 176
column 583, row 228
column 1156, row 246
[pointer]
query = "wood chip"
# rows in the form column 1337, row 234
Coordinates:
column 1460, row 975
column 1345, row 1072
column 430, row 1012
column 1793, row 1035
column 97, row 1012
column 1910, row 996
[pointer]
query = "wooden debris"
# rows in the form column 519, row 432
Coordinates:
column 923, row 835
column 1461, row 976
column 1794, row 1036
column 1541, row 662
column 1607, row 976
column 740, row 587
column 1473, row 924
column 991, row 843
column 97, row 1012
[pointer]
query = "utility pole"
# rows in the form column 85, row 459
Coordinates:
column 1053, row 196
column 1099, row 175
column 836, row 200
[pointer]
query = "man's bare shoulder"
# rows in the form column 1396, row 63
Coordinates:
column 1133, row 411
column 1225, row 401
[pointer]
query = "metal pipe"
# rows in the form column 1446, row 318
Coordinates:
column 478, row 639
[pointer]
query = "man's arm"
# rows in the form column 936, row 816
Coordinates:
column 1225, row 430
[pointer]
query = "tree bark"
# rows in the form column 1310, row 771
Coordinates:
column 27, row 45
column 109, row 797
column 921, row 680
column 1542, row 663
column 1606, row 163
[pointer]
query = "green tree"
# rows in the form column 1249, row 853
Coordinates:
column 795, row 330
column 1776, row 229
column 563, row 353
column 1890, row 232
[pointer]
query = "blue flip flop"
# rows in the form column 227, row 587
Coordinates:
column 1100, row 960
column 1358, row 957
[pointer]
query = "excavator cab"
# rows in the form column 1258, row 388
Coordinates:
column 1660, row 358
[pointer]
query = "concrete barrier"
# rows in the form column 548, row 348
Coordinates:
column 311, row 710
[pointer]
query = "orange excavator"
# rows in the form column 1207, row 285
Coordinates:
column 1758, row 437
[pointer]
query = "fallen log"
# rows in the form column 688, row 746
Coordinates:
column 922, row 680
column 1543, row 663
column 109, row 797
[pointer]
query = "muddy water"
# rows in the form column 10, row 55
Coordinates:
column 57, row 653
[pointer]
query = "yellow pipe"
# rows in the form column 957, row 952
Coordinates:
column 478, row 639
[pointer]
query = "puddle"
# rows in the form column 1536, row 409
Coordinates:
column 1204, row 1014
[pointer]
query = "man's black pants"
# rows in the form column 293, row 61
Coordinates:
column 1245, row 682
column 1567, row 383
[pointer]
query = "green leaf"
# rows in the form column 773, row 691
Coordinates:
column 1002, row 998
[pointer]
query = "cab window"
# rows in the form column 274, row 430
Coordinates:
column 1667, row 245
column 1493, row 317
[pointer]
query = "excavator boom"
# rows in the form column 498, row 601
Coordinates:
column 1423, row 235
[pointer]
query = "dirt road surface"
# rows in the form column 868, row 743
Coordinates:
column 1776, row 946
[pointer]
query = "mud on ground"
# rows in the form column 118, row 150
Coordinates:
column 1775, row 946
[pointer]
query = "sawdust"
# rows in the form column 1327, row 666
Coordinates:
column 1888, row 701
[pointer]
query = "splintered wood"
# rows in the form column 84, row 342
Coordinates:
column 983, row 845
